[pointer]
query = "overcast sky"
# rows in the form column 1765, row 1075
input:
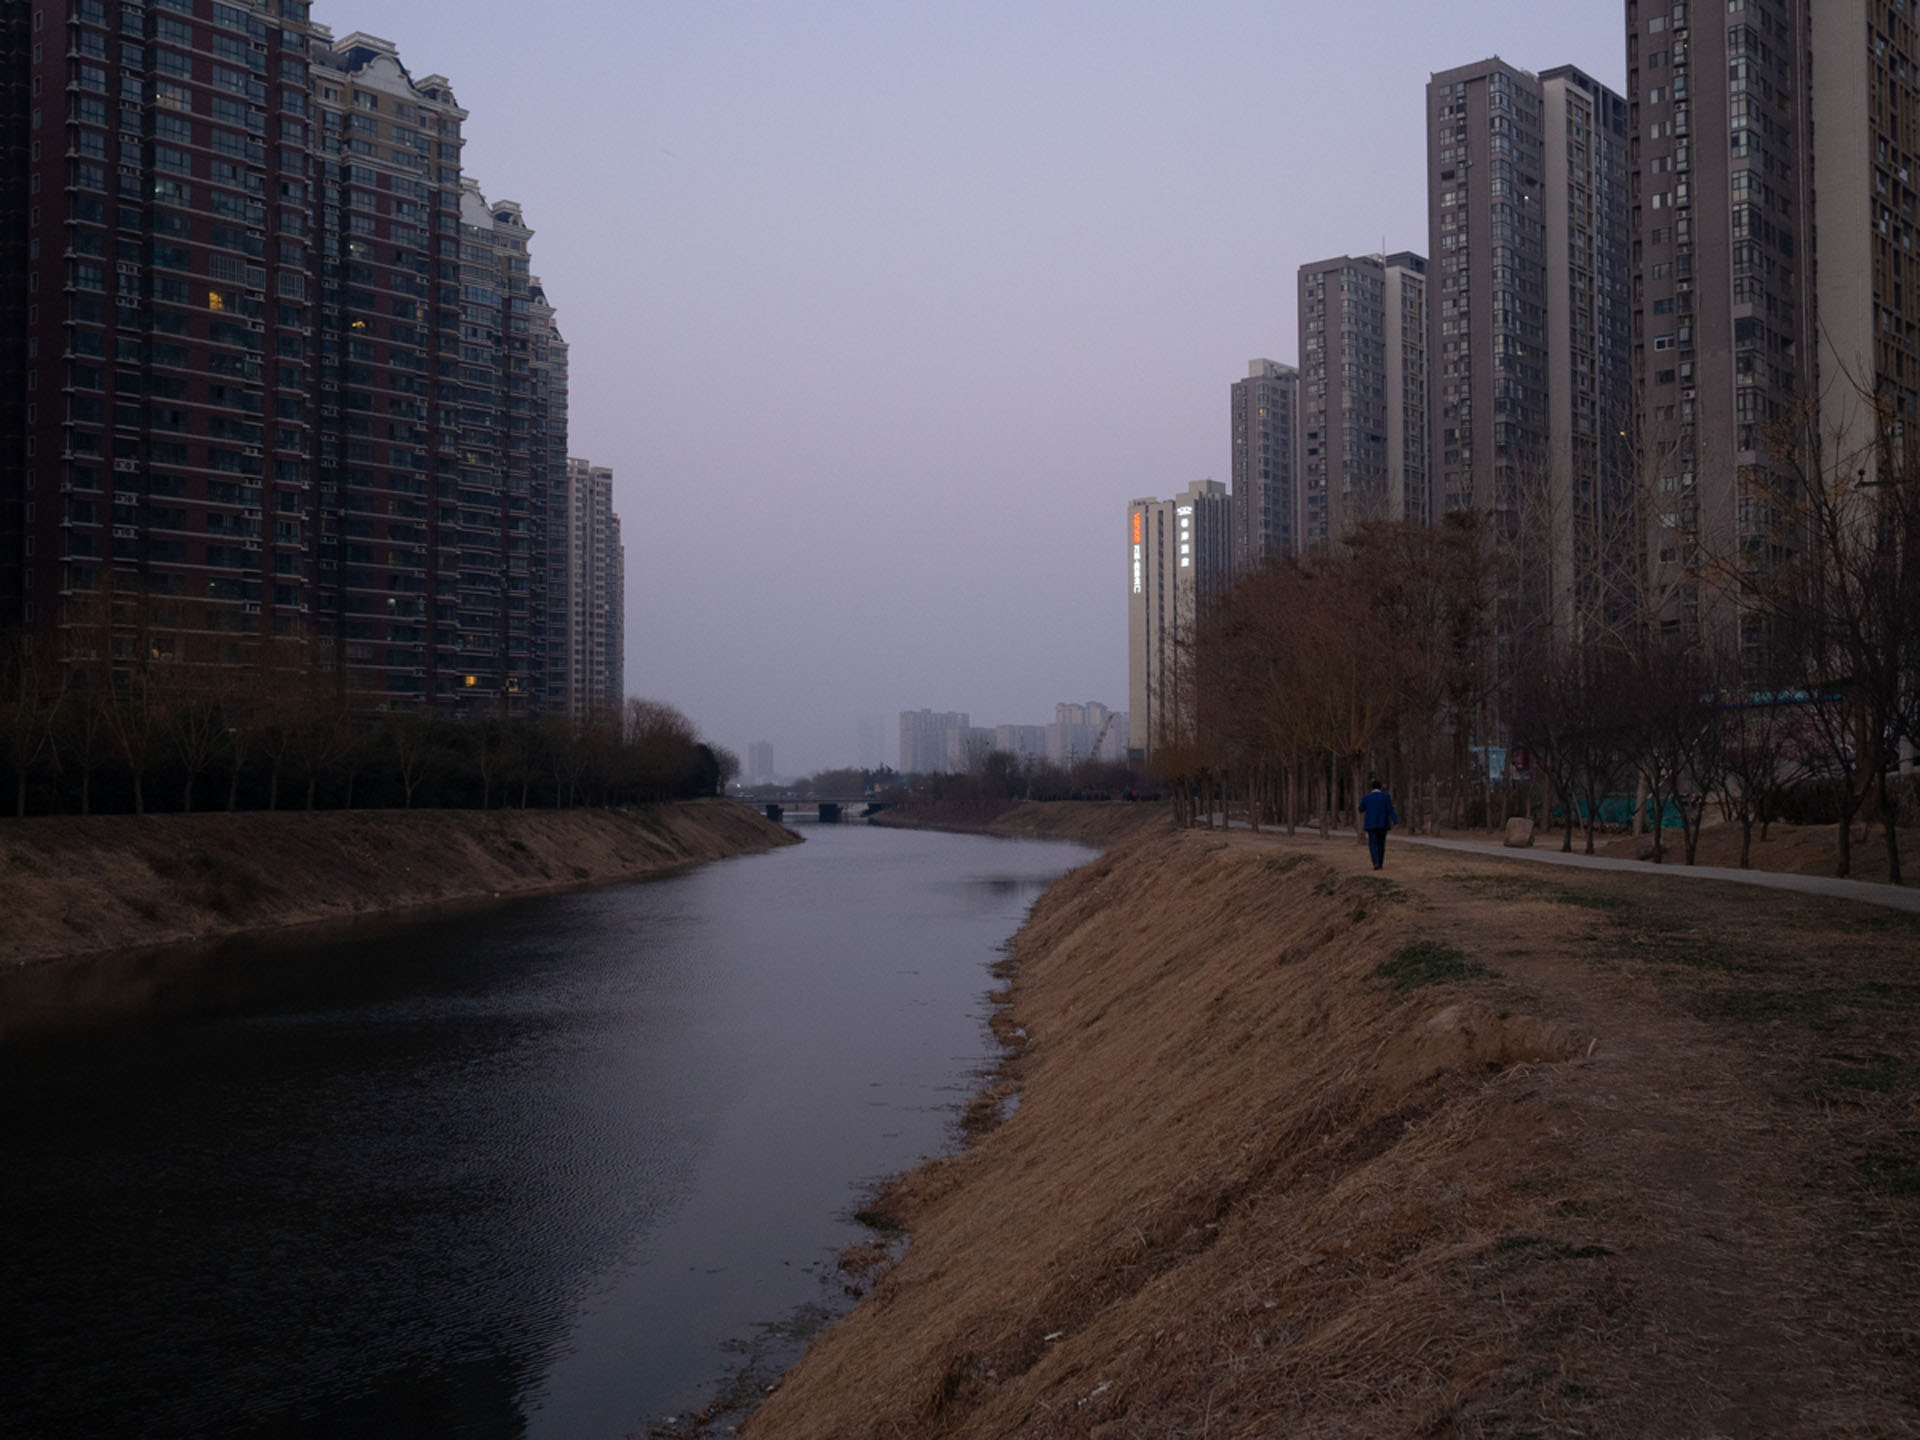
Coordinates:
column 882, row 312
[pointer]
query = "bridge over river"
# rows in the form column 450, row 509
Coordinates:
column 788, row 809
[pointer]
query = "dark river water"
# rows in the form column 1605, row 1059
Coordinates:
column 558, row 1168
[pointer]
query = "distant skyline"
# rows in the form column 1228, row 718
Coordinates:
column 880, row 314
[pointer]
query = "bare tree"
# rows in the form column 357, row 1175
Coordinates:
column 33, row 687
column 410, row 739
column 187, row 685
column 1842, row 607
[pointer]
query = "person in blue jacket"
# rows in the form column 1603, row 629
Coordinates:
column 1377, row 816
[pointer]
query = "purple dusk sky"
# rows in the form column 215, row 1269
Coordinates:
column 881, row 312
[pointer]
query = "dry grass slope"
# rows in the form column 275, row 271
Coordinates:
column 71, row 886
column 1306, row 1151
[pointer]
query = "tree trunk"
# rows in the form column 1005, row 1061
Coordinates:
column 139, row 796
column 1890, row 826
column 233, row 789
column 86, row 791
column 1353, row 803
column 1746, row 842
column 186, row 795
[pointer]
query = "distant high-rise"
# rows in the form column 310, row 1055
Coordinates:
column 1082, row 732
column 1530, row 392
column 1179, row 560
column 1025, row 743
column 1363, row 381
column 870, row 742
column 596, row 592
column 759, row 763
column 927, row 740
column 1265, row 408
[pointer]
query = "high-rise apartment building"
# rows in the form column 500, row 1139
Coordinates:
column 1774, row 272
column 158, row 264
column 590, row 636
column 1265, row 410
column 1722, row 272
column 1593, row 520
column 1343, row 399
column 16, row 138
column 1486, row 162
column 1409, row 477
column 1866, row 135
column 927, row 739
column 551, row 547
column 1530, row 388
column 1363, row 382
column 1179, row 560
column 279, row 370
column 760, row 763
column 1081, row 732
column 388, row 188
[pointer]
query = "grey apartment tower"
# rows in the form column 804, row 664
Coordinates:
column 1179, row 561
column 589, row 626
column 1265, row 411
column 1532, row 401
column 1774, row 276
column 1363, row 394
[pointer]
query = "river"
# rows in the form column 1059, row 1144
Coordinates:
column 556, row 1168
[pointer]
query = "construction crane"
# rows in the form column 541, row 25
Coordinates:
column 1101, row 738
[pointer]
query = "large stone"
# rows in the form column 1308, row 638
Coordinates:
column 1520, row 833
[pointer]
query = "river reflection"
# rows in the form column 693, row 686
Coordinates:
column 538, row 1170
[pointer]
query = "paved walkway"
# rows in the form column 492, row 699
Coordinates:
column 1898, row 897
column 1895, row 897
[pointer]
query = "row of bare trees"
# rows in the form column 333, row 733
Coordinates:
column 260, row 727
column 1720, row 674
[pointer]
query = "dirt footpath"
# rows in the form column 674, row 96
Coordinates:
column 1462, row 1149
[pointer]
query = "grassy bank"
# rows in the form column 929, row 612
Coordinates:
column 71, row 886
column 1460, row 1150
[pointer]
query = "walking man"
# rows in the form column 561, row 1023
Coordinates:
column 1377, row 816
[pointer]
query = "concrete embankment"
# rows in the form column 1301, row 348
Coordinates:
column 73, row 886
column 1458, row 1150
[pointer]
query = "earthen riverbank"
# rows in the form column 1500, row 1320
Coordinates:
column 74, row 886
column 1464, row 1149
column 1098, row 823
